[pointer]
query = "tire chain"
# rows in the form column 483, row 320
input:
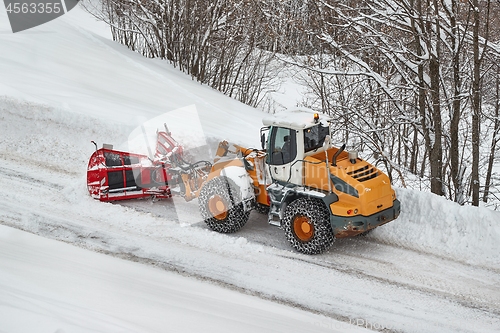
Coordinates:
column 319, row 215
column 229, row 191
column 261, row 209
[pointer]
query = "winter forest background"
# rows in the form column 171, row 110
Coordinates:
column 413, row 83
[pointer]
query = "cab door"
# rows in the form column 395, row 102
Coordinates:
column 282, row 153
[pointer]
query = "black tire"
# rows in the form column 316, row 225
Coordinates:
column 307, row 225
column 262, row 209
column 222, row 191
column 365, row 233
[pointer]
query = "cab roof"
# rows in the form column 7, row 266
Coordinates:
column 295, row 119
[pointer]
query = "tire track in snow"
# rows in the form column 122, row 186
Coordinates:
column 393, row 264
column 346, row 260
column 357, row 257
column 16, row 175
column 53, row 218
column 62, row 224
column 433, row 289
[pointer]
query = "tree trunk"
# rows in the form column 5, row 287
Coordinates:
column 494, row 141
column 476, row 107
column 455, row 110
column 436, row 148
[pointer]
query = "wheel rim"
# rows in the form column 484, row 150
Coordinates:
column 303, row 228
column 217, row 207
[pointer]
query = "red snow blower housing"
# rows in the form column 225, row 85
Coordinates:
column 116, row 175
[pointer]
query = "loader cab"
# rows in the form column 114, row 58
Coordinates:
column 292, row 136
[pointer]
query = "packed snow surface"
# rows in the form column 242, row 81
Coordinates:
column 49, row 286
column 65, row 83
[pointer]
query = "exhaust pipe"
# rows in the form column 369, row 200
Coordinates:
column 334, row 158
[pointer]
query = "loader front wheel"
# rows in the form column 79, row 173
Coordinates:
column 221, row 206
column 307, row 225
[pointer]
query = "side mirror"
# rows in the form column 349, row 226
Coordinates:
column 263, row 140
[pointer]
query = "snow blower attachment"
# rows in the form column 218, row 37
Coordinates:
column 116, row 175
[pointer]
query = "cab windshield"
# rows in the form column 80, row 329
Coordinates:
column 314, row 137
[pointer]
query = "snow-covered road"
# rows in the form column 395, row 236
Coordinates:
column 361, row 278
column 436, row 268
column 61, row 288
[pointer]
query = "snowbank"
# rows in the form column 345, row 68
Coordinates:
column 51, row 137
column 431, row 224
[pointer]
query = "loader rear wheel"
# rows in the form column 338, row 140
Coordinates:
column 221, row 206
column 307, row 225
